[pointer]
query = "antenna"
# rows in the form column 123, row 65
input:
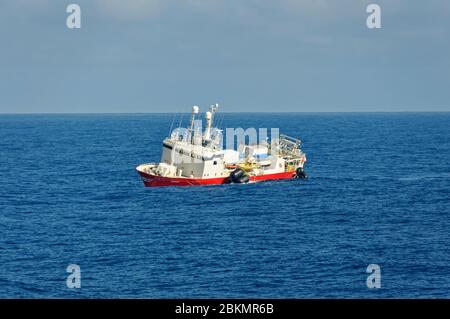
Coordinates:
column 179, row 125
column 171, row 125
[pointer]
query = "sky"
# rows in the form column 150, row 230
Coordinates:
column 246, row 55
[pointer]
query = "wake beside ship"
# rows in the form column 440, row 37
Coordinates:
column 197, row 158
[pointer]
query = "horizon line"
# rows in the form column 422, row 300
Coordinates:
column 229, row 112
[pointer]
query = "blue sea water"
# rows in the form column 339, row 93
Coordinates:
column 378, row 193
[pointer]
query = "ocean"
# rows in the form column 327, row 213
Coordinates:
column 378, row 193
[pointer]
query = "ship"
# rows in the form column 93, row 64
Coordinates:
column 193, row 157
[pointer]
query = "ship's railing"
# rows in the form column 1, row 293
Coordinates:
column 288, row 146
column 290, row 140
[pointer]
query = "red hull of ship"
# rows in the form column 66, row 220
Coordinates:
column 154, row 180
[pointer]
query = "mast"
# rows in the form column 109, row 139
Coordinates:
column 191, row 129
column 209, row 116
